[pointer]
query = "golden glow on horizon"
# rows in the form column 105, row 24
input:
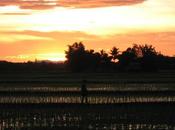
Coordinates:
column 52, row 57
column 33, row 57
column 97, row 25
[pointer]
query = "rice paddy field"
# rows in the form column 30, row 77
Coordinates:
column 53, row 101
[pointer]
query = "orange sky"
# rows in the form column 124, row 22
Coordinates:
column 42, row 29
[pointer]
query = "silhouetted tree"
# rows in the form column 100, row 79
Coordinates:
column 149, row 58
column 92, row 60
column 143, row 56
column 114, row 53
column 79, row 59
column 126, row 58
column 135, row 58
column 76, row 56
column 105, row 60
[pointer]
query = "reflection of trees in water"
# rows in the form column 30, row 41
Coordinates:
column 123, row 116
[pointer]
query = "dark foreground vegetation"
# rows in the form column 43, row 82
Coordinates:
column 138, row 58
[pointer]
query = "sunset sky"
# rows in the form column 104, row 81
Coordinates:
column 42, row 29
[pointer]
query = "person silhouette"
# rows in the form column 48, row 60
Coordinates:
column 84, row 92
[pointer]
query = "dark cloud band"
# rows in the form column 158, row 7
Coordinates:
column 46, row 4
column 98, row 3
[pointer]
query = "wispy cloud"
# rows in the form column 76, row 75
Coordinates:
column 97, row 3
column 10, row 37
column 46, row 4
column 14, row 13
column 30, row 4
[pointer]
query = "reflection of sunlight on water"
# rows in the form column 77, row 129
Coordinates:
column 72, row 94
column 61, row 119
column 93, row 99
column 97, row 115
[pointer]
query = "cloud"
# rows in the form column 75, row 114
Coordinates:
column 30, row 4
column 97, row 3
column 46, row 4
column 15, row 13
column 11, row 37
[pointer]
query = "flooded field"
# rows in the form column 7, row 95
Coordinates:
column 55, row 103
column 97, row 93
column 156, row 116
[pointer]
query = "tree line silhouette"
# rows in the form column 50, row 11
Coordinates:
column 138, row 58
